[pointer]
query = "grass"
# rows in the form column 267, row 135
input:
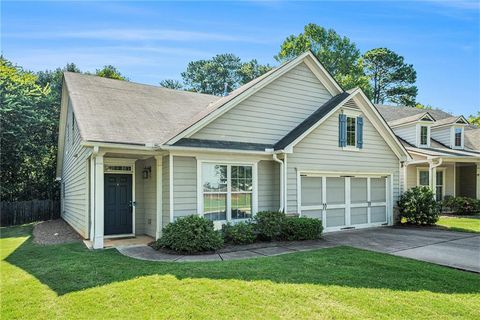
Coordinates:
column 462, row 224
column 68, row 281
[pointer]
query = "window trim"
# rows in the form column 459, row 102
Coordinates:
column 441, row 169
column 200, row 193
column 420, row 136
column 350, row 113
column 462, row 137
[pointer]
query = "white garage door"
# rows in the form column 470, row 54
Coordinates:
column 344, row 202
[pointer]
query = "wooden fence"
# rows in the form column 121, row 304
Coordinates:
column 14, row 213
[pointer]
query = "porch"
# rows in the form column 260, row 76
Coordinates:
column 445, row 176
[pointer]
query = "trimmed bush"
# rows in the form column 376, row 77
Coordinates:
column 268, row 225
column 462, row 205
column 239, row 233
column 190, row 235
column 418, row 206
column 301, row 228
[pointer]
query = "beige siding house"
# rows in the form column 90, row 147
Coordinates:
column 133, row 158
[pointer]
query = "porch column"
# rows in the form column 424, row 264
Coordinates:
column 159, row 163
column 478, row 181
column 433, row 179
column 99, row 205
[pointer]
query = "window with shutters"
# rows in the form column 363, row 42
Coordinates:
column 350, row 130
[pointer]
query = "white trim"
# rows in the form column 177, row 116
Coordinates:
column 419, row 135
column 123, row 235
column 159, row 204
column 307, row 57
column 99, row 203
column 228, row 163
column 124, row 162
column 388, row 204
column 452, row 137
column 229, row 151
column 285, row 184
column 170, row 183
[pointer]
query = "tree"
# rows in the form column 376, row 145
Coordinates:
column 110, row 72
column 25, row 125
column 223, row 73
column 171, row 84
column 251, row 70
column 475, row 119
column 337, row 54
column 392, row 79
column 418, row 105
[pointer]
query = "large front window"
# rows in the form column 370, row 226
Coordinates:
column 351, row 121
column 458, row 137
column 424, row 180
column 423, row 135
column 227, row 191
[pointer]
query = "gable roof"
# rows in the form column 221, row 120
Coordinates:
column 412, row 118
column 116, row 111
column 311, row 120
column 224, row 104
column 451, row 120
column 392, row 113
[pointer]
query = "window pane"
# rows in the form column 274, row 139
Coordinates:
column 241, row 205
column 311, row 191
column 378, row 189
column 439, row 178
column 241, row 178
column 215, row 206
column 358, row 187
column 458, row 137
column 423, row 178
column 214, row 178
column 423, row 135
column 438, row 193
column 351, row 131
column 335, row 190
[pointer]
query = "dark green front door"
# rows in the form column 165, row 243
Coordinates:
column 118, row 204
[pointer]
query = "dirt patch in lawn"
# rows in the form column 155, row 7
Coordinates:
column 54, row 232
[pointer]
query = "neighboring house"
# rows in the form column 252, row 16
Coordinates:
column 445, row 150
column 133, row 157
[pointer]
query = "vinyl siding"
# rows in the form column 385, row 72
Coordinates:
column 150, row 198
column 268, row 186
column 442, row 135
column 272, row 112
column 139, row 198
column 75, row 177
column 184, row 186
column 165, row 191
column 319, row 151
column 449, row 176
column 407, row 133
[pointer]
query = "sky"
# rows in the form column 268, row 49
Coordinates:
column 151, row 41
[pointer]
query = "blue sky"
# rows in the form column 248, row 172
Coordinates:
column 151, row 41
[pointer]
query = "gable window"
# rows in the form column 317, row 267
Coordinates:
column 458, row 137
column 227, row 191
column 351, row 141
column 350, row 131
column 423, row 135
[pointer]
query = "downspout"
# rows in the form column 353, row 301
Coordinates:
column 282, row 189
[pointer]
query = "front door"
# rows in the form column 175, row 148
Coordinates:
column 118, row 204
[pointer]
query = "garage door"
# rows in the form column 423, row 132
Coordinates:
column 344, row 202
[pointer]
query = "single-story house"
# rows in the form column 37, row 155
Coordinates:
column 133, row 158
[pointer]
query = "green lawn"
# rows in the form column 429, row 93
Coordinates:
column 69, row 281
column 460, row 223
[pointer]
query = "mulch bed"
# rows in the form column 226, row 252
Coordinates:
column 54, row 232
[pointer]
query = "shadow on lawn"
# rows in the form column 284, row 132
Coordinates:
column 71, row 267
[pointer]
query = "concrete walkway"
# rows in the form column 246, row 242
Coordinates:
column 454, row 249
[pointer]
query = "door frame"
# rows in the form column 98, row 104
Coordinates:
column 325, row 174
column 122, row 162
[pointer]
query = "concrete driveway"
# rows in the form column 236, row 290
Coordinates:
column 454, row 249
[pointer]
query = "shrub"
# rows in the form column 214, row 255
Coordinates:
column 462, row 205
column 240, row 233
column 418, row 206
column 190, row 234
column 268, row 224
column 301, row 228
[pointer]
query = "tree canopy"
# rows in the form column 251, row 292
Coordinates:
column 338, row 55
column 221, row 74
column 392, row 79
column 111, row 72
column 475, row 119
column 171, row 84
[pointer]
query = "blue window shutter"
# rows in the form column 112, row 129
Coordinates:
column 342, row 130
column 359, row 132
